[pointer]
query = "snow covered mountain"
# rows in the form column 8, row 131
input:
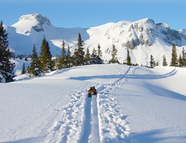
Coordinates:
column 143, row 38
column 30, row 30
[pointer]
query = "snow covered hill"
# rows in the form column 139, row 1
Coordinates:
column 30, row 30
column 133, row 105
column 143, row 38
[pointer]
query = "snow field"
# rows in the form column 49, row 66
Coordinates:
column 153, row 100
column 86, row 128
column 133, row 104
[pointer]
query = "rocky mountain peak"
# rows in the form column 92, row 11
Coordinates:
column 36, row 16
column 28, row 22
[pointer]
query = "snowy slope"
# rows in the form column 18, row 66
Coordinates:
column 30, row 30
column 142, row 37
column 133, row 104
column 154, row 104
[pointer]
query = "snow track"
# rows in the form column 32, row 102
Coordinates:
column 73, row 117
column 113, row 127
column 92, row 120
column 95, row 122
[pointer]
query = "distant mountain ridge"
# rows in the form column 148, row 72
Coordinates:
column 30, row 30
column 143, row 38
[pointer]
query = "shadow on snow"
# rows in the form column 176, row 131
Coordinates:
column 133, row 76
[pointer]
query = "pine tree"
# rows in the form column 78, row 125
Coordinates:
column 94, row 53
column 152, row 62
column 79, row 53
column 68, row 57
column 164, row 61
column 180, row 61
column 23, row 71
column 128, row 57
column 61, row 62
column 34, row 69
column 6, row 67
column 114, row 53
column 183, row 57
column 99, row 51
column 174, row 59
column 87, row 57
column 45, row 57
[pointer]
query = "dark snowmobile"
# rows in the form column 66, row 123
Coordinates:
column 92, row 91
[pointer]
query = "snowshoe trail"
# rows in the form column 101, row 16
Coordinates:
column 73, row 118
column 92, row 120
column 113, row 127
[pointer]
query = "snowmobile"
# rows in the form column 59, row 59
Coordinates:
column 92, row 91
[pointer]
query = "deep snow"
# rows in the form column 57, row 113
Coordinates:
column 133, row 104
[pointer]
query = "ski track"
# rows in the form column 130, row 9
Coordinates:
column 73, row 118
column 113, row 127
column 101, row 121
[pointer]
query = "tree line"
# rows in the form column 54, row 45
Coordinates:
column 44, row 63
column 175, row 61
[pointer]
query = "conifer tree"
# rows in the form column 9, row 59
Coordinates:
column 87, row 57
column 34, row 69
column 114, row 53
column 183, row 57
column 180, row 61
column 6, row 67
column 45, row 57
column 68, row 57
column 61, row 62
column 79, row 53
column 128, row 57
column 99, row 51
column 23, row 71
column 152, row 62
column 164, row 61
column 94, row 53
column 174, row 59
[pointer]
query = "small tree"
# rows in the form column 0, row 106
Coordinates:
column 114, row 53
column 34, row 69
column 68, row 57
column 94, row 53
column 61, row 59
column 128, row 57
column 174, row 59
column 99, row 51
column 180, row 61
column 152, row 62
column 183, row 57
column 23, row 71
column 87, row 57
column 79, row 53
column 45, row 57
column 164, row 61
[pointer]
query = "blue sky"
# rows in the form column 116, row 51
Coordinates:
column 90, row 13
